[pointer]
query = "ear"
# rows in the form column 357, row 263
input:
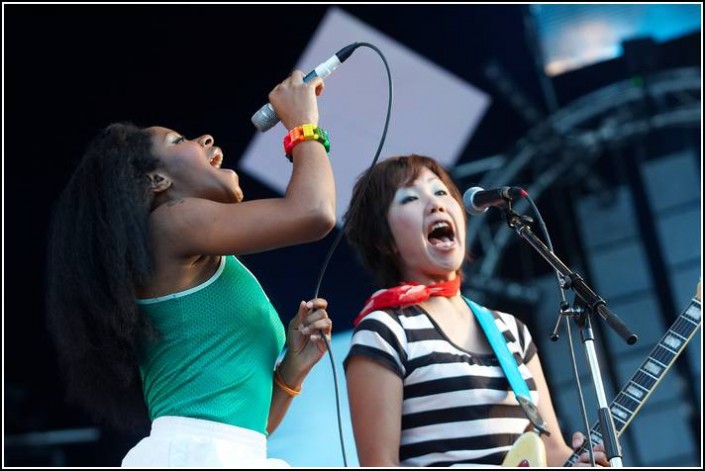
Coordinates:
column 158, row 182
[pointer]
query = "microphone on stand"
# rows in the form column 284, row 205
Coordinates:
column 477, row 200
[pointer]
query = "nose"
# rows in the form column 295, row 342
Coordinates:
column 206, row 140
column 436, row 205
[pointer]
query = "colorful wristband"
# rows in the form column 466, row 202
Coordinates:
column 305, row 132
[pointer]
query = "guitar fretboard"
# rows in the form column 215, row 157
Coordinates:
column 633, row 395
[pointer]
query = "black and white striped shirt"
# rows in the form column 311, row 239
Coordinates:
column 458, row 406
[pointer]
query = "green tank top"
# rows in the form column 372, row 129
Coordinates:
column 215, row 351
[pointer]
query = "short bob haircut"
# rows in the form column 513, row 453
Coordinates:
column 366, row 226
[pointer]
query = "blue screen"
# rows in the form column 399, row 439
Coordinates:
column 573, row 36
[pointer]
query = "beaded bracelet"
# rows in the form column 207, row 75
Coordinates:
column 305, row 132
column 279, row 381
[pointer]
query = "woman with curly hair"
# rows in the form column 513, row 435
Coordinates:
column 153, row 316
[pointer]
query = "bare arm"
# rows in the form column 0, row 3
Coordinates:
column 557, row 451
column 305, row 347
column 305, row 213
column 375, row 394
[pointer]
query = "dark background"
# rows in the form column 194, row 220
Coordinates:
column 71, row 70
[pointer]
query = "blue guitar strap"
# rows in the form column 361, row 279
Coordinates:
column 508, row 363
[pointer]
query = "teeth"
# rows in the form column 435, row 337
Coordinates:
column 439, row 225
column 217, row 160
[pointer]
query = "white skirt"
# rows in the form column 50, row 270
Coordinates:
column 186, row 442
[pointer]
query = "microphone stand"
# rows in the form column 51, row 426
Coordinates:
column 588, row 303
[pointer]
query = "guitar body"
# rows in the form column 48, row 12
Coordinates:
column 528, row 451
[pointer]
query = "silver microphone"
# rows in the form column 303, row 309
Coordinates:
column 477, row 200
column 265, row 118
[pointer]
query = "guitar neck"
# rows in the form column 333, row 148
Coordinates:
column 633, row 395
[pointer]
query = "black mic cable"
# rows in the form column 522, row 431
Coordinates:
column 342, row 232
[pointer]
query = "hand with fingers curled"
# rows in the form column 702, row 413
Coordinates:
column 295, row 100
column 305, row 334
column 598, row 451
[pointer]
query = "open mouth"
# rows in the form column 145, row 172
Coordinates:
column 441, row 234
column 217, row 159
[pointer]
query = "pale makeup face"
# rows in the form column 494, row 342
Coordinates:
column 193, row 167
column 428, row 228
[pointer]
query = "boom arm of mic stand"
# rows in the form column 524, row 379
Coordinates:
column 592, row 303
column 570, row 279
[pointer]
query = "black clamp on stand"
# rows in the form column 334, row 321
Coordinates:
column 587, row 302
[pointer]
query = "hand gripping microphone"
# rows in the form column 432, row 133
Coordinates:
column 265, row 118
column 477, row 200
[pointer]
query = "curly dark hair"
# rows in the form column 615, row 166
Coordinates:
column 366, row 226
column 99, row 255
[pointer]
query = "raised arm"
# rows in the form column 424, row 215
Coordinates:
column 198, row 226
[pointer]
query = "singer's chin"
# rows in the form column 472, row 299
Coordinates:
column 238, row 195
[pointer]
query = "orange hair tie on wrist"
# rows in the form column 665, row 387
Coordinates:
column 279, row 381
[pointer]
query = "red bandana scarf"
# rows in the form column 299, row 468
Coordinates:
column 407, row 294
